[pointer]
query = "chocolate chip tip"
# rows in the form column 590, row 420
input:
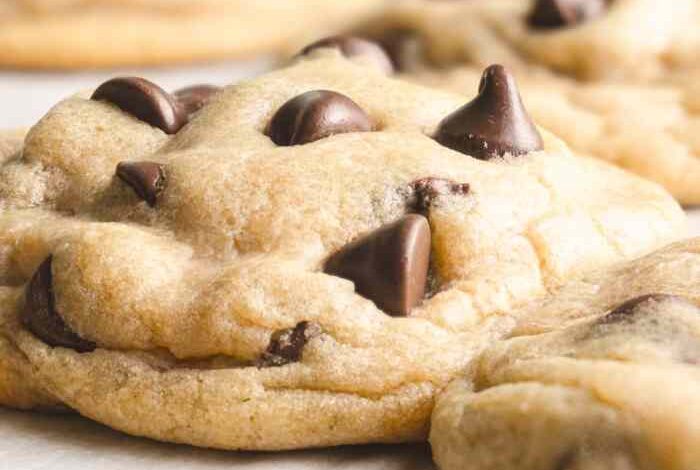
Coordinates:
column 494, row 123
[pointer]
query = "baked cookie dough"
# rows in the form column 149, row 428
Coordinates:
column 628, row 40
column 303, row 259
column 65, row 34
column 650, row 130
column 617, row 388
column 615, row 79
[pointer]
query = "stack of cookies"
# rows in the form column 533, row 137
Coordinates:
column 467, row 229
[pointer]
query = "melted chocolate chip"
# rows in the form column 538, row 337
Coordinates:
column 145, row 101
column 352, row 46
column 147, row 179
column 388, row 266
column 553, row 14
column 41, row 318
column 494, row 123
column 316, row 115
column 287, row 346
column 425, row 191
column 632, row 306
column 194, row 98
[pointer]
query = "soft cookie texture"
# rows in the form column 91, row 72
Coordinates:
column 219, row 277
column 650, row 130
column 586, row 39
column 616, row 80
column 106, row 33
column 616, row 388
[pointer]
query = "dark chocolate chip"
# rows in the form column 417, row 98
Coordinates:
column 145, row 101
column 425, row 191
column 405, row 48
column 315, row 115
column 553, row 14
column 388, row 266
column 632, row 306
column 41, row 318
column 147, row 179
column 194, row 98
column 353, row 46
column 287, row 346
column 494, row 123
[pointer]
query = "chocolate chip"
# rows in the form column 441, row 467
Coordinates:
column 194, row 98
column 287, row 346
column 388, row 266
column 406, row 49
column 316, row 115
column 147, row 179
column 632, row 306
column 425, row 191
column 494, row 123
column 552, row 14
column 41, row 318
column 352, row 46
column 145, row 101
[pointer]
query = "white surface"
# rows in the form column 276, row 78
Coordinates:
column 26, row 97
column 30, row 441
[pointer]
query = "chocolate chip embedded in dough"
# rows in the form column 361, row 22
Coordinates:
column 495, row 123
column 287, row 346
column 145, row 101
column 195, row 97
column 388, row 266
column 353, row 46
column 147, row 179
column 553, row 14
column 41, row 318
column 425, row 191
column 316, row 115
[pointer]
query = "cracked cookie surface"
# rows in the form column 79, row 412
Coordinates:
column 49, row 34
column 194, row 282
column 616, row 387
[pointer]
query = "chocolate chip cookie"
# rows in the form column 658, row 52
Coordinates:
column 43, row 34
column 630, row 40
column 648, row 129
column 303, row 259
column 616, row 388
column 615, row 79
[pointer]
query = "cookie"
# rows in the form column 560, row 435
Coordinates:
column 617, row 387
column 629, row 40
column 303, row 259
column 616, row 80
column 50, row 34
column 647, row 129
